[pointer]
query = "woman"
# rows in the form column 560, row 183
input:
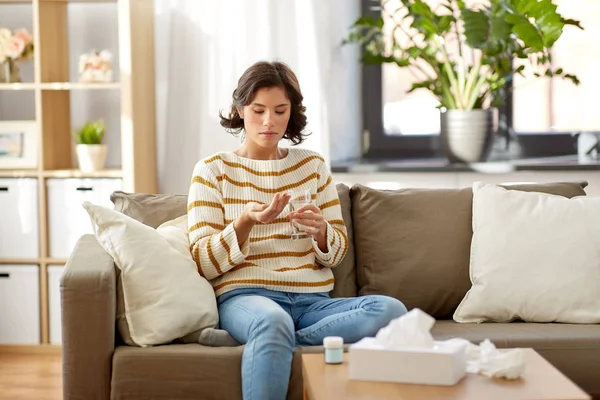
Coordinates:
column 272, row 291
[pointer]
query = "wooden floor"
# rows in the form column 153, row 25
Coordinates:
column 30, row 376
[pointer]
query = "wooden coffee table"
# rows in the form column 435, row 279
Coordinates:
column 541, row 381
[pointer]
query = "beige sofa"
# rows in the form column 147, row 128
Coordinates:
column 412, row 244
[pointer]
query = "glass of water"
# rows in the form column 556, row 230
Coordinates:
column 298, row 198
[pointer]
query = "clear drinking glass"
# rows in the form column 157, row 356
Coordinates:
column 298, row 198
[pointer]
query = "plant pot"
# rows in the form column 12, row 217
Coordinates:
column 91, row 157
column 467, row 136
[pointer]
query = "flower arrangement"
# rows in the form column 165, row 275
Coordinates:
column 95, row 67
column 15, row 46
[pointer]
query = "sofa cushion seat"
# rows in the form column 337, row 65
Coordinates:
column 572, row 348
column 187, row 371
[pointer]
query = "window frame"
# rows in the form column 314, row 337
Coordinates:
column 382, row 146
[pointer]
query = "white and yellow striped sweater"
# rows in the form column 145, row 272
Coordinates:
column 220, row 188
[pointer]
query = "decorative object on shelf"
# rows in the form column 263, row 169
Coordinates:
column 18, row 144
column 95, row 67
column 471, row 74
column 91, row 152
column 15, row 47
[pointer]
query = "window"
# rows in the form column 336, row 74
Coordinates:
column 544, row 113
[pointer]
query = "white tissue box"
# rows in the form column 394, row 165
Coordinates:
column 444, row 364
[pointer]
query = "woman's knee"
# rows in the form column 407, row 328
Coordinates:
column 274, row 322
column 389, row 307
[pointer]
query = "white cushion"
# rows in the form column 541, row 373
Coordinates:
column 534, row 257
column 163, row 295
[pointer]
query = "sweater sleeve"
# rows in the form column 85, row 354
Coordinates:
column 337, row 237
column 213, row 244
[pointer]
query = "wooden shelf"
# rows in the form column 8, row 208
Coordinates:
column 60, row 86
column 54, row 93
column 78, row 86
column 75, row 173
column 78, row 1
column 19, row 261
column 17, row 86
column 19, row 173
column 56, row 1
column 55, row 261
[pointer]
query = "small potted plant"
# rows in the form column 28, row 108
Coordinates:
column 466, row 56
column 91, row 152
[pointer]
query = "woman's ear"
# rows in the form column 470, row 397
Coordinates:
column 240, row 112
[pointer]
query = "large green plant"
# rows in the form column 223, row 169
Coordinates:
column 464, row 55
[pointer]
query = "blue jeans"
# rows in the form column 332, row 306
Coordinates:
column 272, row 323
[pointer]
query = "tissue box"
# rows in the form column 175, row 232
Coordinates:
column 444, row 364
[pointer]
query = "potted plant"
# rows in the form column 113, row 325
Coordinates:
column 91, row 153
column 465, row 56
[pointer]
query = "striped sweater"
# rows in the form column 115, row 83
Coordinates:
column 220, row 188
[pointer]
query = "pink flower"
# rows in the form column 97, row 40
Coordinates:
column 23, row 35
column 15, row 47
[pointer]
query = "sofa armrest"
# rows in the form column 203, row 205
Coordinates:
column 88, row 298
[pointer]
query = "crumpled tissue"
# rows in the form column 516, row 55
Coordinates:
column 413, row 329
column 489, row 361
column 409, row 330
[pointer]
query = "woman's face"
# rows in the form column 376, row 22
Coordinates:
column 266, row 117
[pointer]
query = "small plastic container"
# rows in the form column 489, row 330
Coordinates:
column 334, row 349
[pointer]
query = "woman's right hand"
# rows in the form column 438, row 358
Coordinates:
column 265, row 213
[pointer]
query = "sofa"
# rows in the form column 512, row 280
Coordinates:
column 412, row 244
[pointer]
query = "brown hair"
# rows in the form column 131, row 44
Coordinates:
column 266, row 75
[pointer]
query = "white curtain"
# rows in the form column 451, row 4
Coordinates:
column 202, row 48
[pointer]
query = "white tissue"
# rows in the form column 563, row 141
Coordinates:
column 487, row 360
column 413, row 329
column 409, row 330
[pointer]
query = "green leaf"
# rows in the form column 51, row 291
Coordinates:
column 572, row 78
column 520, row 70
column 365, row 21
column 526, row 31
column 476, row 27
column 428, row 84
column 572, row 22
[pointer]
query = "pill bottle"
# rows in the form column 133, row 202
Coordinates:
column 334, row 349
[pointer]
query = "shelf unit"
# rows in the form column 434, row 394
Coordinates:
column 52, row 91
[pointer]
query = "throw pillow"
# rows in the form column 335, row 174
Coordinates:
column 413, row 244
column 150, row 209
column 534, row 257
column 161, row 296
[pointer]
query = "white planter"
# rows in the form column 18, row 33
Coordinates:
column 91, row 157
column 467, row 136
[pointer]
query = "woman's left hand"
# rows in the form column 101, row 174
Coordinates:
column 311, row 219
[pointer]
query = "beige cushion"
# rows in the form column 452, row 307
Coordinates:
column 160, row 295
column 413, row 244
column 189, row 371
column 534, row 257
column 150, row 209
column 154, row 209
column 345, row 272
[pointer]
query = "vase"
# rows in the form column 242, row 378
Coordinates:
column 10, row 73
column 467, row 136
column 91, row 157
